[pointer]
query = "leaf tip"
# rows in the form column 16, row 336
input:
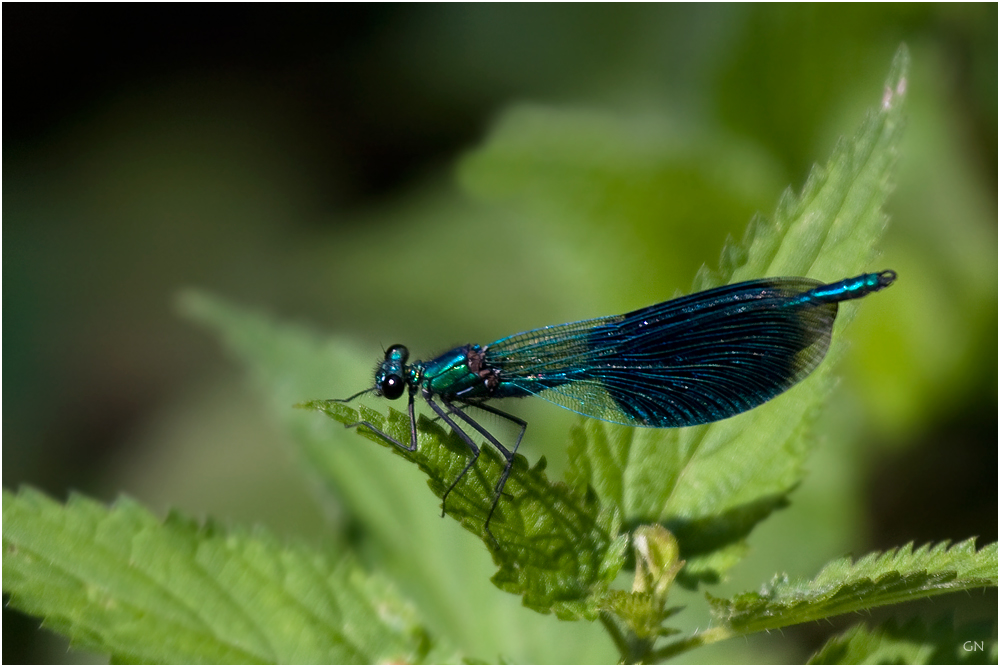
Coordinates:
column 896, row 84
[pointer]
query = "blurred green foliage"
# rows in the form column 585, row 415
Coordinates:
column 224, row 176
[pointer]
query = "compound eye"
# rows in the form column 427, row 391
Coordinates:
column 392, row 387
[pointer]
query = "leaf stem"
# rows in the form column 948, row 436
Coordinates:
column 608, row 621
column 709, row 636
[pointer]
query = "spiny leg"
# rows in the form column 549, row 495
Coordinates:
column 462, row 434
column 509, row 455
column 413, row 436
column 444, row 415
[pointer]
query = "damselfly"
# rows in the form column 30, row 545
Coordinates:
column 692, row 360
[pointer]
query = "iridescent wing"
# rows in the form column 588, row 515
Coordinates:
column 692, row 360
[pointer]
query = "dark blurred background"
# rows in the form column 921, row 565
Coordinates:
column 302, row 160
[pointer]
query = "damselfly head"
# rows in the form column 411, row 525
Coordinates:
column 389, row 380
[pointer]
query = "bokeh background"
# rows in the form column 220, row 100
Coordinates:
column 322, row 163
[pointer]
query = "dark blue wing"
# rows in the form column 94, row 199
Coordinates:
column 692, row 360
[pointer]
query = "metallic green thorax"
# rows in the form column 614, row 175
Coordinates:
column 461, row 373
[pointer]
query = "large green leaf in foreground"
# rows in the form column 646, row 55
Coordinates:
column 118, row 580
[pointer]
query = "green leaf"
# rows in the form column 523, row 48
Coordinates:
column 710, row 485
column 117, row 580
column 554, row 547
column 875, row 580
column 912, row 643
